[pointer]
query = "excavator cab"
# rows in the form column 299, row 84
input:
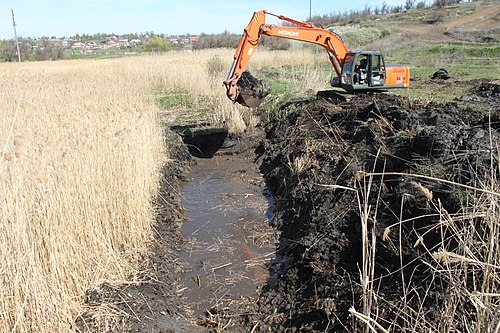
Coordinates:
column 363, row 71
column 366, row 70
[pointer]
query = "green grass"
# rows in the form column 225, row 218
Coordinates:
column 75, row 56
column 465, row 50
column 175, row 99
column 426, row 53
column 283, row 80
column 356, row 35
column 188, row 107
column 466, row 62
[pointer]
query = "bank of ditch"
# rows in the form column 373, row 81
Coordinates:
column 387, row 215
column 388, row 209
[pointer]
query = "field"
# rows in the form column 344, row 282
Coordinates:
column 80, row 159
column 81, row 154
column 386, row 206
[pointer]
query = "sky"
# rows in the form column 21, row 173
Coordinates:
column 64, row 18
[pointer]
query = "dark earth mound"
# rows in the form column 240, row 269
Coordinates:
column 391, row 163
column 441, row 74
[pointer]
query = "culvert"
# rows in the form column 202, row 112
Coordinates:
column 204, row 142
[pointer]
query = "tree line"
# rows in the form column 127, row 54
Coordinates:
column 227, row 39
column 230, row 40
column 355, row 16
column 44, row 50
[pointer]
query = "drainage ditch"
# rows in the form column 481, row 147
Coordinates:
column 228, row 245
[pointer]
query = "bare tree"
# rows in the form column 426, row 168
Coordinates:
column 366, row 11
column 8, row 51
column 409, row 4
column 420, row 5
column 384, row 10
column 440, row 3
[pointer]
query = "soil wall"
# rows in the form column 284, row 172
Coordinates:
column 340, row 172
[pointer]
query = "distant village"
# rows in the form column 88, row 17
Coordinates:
column 97, row 43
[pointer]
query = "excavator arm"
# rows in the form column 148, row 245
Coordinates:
column 301, row 31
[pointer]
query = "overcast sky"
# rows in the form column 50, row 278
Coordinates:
column 36, row 18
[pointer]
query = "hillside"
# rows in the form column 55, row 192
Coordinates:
column 462, row 38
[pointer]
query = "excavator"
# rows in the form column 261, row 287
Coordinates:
column 355, row 70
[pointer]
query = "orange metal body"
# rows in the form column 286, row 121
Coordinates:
column 397, row 75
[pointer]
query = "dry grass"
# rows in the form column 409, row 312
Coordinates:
column 80, row 151
column 201, row 74
column 79, row 166
column 466, row 261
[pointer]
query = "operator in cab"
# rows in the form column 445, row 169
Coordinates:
column 360, row 71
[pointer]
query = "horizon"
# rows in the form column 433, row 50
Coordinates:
column 55, row 19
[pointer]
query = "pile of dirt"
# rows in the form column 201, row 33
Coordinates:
column 328, row 163
column 484, row 94
column 441, row 74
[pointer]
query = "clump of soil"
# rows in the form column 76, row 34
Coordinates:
column 485, row 95
column 441, row 74
column 252, row 90
column 330, row 162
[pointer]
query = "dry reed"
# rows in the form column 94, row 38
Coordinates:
column 80, row 151
column 201, row 74
column 79, row 171
column 466, row 259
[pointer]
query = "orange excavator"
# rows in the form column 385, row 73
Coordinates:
column 355, row 70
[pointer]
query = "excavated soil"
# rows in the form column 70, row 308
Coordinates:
column 317, row 158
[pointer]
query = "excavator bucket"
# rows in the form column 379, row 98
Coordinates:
column 252, row 91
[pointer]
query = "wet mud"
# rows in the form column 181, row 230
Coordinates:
column 252, row 91
column 228, row 243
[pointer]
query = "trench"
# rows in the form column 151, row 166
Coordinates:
column 229, row 246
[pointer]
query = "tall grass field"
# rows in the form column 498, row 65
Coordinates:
column 81, row 147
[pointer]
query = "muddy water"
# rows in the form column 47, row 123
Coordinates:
column 228, row 242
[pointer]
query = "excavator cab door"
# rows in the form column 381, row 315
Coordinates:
column 363, row 71
column 377, row 70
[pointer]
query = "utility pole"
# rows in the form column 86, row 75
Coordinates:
column 15, row 34
column 310, row 10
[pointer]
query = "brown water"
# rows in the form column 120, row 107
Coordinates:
column 228, row 242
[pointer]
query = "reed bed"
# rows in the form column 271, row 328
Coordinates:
column 81, row 148
column 79, row 167
column 201, row 75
